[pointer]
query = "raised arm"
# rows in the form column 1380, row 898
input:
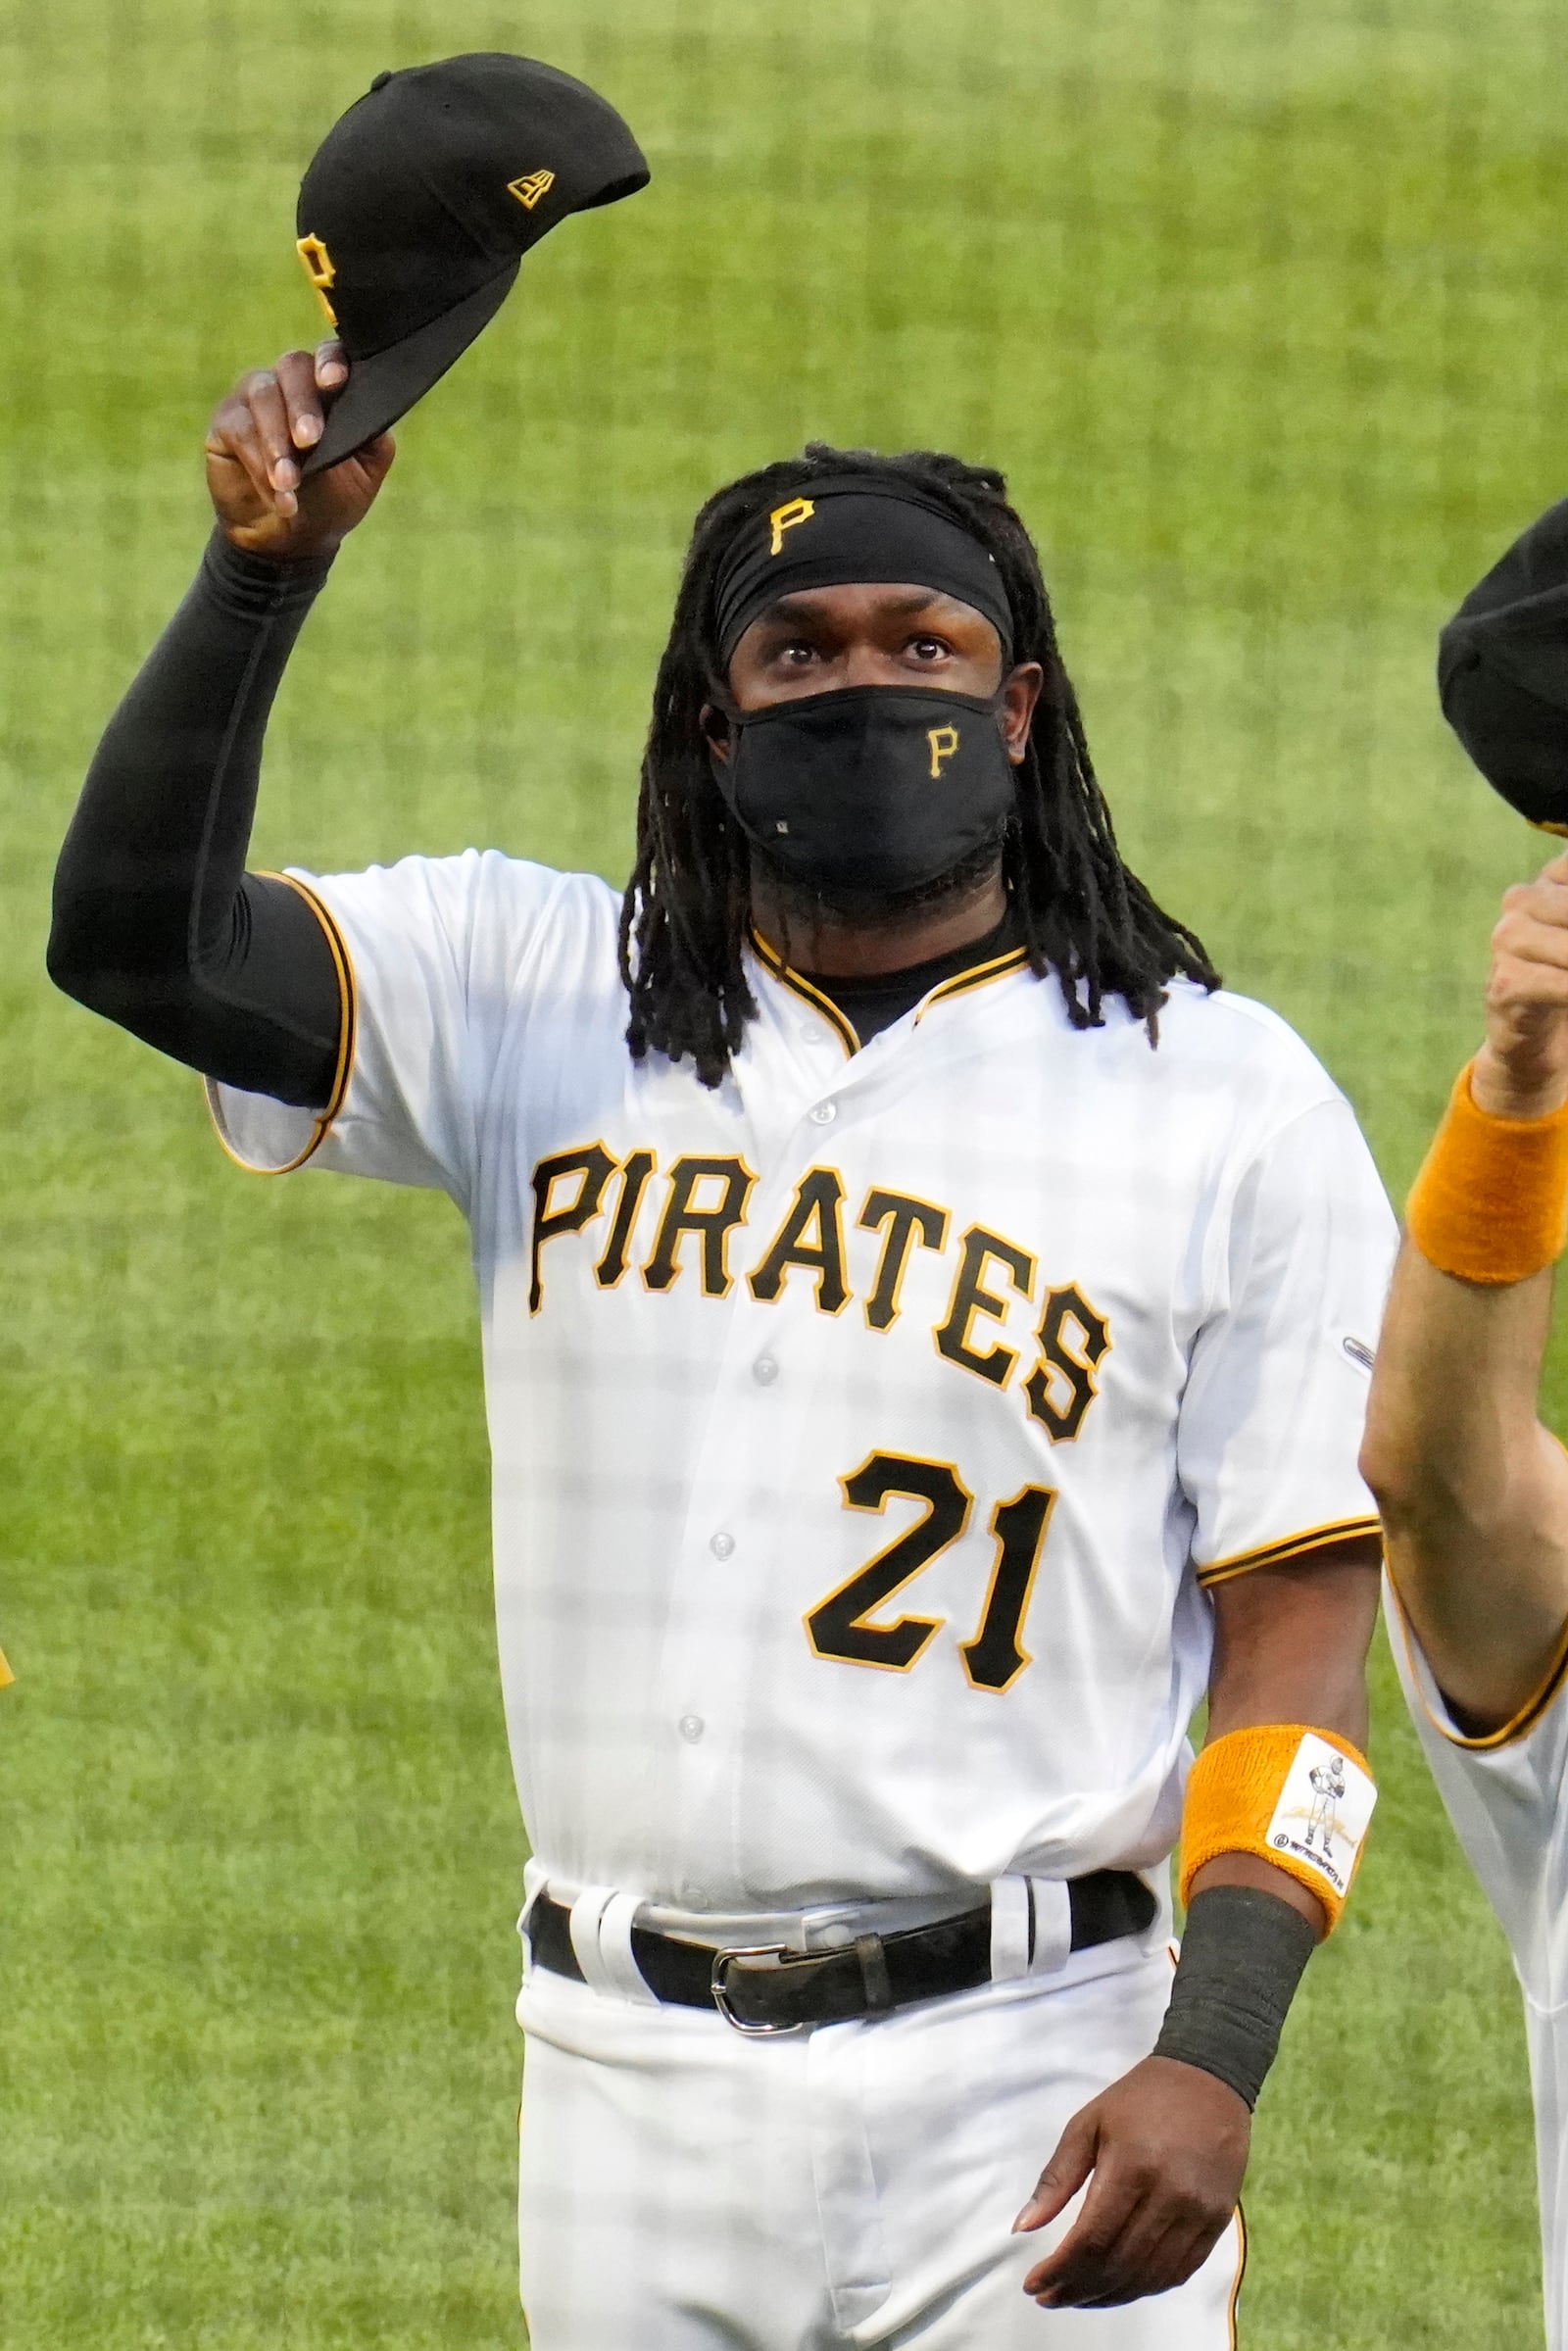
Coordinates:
column 156, row 924
column 1472, row 1488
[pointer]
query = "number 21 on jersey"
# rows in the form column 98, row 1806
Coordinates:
column 840, row 1626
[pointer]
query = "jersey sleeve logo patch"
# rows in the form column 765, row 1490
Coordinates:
column 1323, row 1812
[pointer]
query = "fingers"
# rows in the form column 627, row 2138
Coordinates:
column 1070, row 2165
column 296, row 373
column 1164, row 2264
column 270, row 417
column 1089, row 2258
column 1138, row 2234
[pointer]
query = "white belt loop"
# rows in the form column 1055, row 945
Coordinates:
column 600, row 1937
column 616, row 1956
column 1031, row 1927
column 1009, row 1929
column 1053, row 1917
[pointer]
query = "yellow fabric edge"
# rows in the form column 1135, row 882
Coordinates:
column 1518, row 1726
column 980, row 977
column 348, row 1031
column 798, row 986
column 1287, row 1547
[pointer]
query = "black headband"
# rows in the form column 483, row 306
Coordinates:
column 847, row 528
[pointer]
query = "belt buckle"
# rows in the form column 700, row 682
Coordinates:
column 723, row 1961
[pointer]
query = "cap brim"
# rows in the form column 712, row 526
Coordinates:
column 385, row 386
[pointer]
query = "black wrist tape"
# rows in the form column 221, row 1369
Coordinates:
column 1242, row 1954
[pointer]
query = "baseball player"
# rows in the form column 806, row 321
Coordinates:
column 924, row 1333
column 1474, row 1489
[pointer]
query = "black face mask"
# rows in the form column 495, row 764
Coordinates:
column 880, row 789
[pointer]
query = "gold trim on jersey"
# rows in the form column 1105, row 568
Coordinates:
column 1243, row 2249
column 980, row 976
column 1287, row 1547
column 1519, row 1724
column 771, row 960
column 996, row 968
column 348, row 1030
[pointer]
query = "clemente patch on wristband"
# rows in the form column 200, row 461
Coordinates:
column 1323, row 1813
column 1294, row 1795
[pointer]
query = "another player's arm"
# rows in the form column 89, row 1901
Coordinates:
column 1472, row 1488
column 156, row 924
column 1164, row 2148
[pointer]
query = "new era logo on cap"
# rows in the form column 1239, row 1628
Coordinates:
column 529, row 190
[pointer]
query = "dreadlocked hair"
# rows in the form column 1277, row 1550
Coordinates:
column 685, row 915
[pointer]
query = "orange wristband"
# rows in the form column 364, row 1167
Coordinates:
column 1491, row 1203
column 1298, row 1798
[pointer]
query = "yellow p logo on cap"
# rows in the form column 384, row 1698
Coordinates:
column 320, row 268
column 944, row 742
column 785, row 517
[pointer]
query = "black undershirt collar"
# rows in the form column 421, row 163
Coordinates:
column 873, row 1005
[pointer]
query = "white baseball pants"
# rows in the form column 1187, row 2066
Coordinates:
column 684, row 2188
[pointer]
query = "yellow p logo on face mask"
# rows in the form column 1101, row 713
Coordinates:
column 786, row 518
column 944, row 742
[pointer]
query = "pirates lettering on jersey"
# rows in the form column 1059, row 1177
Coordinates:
column 712, row 1224
column 907, row 1221
column 705, row 1202
column 972, row 1298
column 811, row 1235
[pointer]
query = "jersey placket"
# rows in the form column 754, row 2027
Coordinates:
column 799, row 1088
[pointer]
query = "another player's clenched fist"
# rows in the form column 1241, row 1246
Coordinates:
column 253, row 471
column 1522, row 1069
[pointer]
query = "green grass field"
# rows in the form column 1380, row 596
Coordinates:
column 1260, row 305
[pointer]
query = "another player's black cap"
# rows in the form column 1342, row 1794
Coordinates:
column 419, row 204
column 1503, row 673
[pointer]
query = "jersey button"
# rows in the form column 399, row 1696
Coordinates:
column 765, row 1371
column 691, row 1727
column 825, row 1114
column 722, row 1546
column 810, row 1034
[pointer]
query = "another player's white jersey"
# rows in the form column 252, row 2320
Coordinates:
column 865, row 1430
column 1505, row 1797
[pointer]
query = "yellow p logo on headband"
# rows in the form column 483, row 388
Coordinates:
column 785, row 517
column 944, row 742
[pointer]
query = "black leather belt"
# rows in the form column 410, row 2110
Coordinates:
column 777, row 1991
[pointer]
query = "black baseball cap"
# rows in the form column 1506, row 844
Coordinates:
column 419, row 203
column 1503, row 673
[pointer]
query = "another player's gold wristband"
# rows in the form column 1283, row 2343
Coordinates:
column 1298, row 1798
column 1491, row 1203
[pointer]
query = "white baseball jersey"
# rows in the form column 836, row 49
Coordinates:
column 1506, row 1797
column 865, row 1430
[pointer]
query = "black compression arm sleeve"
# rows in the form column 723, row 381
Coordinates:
column 1242, row 1955
column 156, row 924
